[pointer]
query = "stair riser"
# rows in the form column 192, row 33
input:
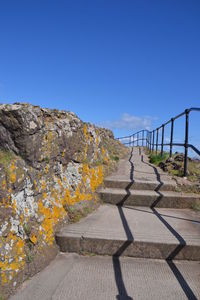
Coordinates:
column 134, row 249
column 139, row 185
column 145, row 200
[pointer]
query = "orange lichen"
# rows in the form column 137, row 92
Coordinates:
column 13, row 177
column 54, row 202
column 44, row 195
column 43, row 185
column 4, row 184
column 12, row 167
column 96, row 146
column 13, row 258
column 46, row 169
column 33, row 239
column 51, row 217
column 104, row 156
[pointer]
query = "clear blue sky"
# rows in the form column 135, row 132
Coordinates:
column 111, row 62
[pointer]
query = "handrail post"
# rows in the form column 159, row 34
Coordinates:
column 186, row 141
column 150, row 135
column 146, row 140
column 157, row 141
column 163, row 129
column 133, row 140
column 137, row 138
column 171, row 138
column 142, row 138
column 153, row 140
column 129, row 141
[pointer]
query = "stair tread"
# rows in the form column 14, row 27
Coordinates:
column 143, row 223
column 127, row 179
column 120, row 191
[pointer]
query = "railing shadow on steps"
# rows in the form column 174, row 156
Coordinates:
column 122, row 292
column 182, row 243
column 150, row 139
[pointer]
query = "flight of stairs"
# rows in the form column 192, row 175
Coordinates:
column 139, row 218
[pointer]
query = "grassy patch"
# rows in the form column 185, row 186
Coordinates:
column 6, row 157
column 178, row 173
column 193, row 170
column 114, row 157
column 158, row 158
column 85, row 253
column 27, row 229
column 87, row 210
column 97, row 163
column 196, row 206
column 76, row 214
column 193, row 165
column 29, row 257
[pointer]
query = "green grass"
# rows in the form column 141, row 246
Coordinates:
column 6, row 157
column 87, row 210
column 76, row 214
column 114, row 157
column 158, row 158
column 178, row 173
column 193, row 170
column 85, row 253
column 193, row 166
column 29, row 257
column 27, row 229
column 196, row 206
column 97, row 163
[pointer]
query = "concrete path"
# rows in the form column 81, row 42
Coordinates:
column 139, row 169
column 154, row 253
column 74, row 277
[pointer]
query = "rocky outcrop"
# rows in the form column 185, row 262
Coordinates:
column 173, row 163
column 50, row 162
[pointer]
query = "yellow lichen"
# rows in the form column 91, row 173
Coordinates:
column 13, row 177
column 46, row 169
column 33, row 239
column 4, row 184
column 13, row 257
column 12, row 167
column 54, row 202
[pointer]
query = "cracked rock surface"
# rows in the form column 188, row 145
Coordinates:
column 51, row 164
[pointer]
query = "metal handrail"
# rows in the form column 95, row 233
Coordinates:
column 151, row 137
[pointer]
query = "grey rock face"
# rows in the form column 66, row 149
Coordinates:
column 50, row 161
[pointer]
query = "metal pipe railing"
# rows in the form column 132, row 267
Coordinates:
column 152, row 137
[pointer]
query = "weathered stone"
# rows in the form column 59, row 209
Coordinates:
column 50, row 161
column 179, row 157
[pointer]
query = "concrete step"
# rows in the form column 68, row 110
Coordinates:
column 75, row 277
column 135, row 232
column 167, row 199
column 140, row 184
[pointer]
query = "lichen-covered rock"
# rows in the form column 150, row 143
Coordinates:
column 49, row 161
